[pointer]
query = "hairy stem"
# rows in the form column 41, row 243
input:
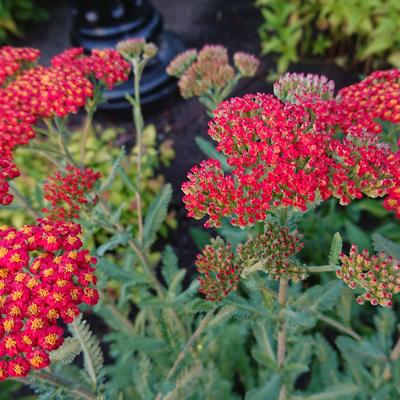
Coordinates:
column 281, row 351
column 189, row 344
column 116, row 312
column 339, row 326
column 139, row 125
column 85, row 135
column 322, row 268
column 23, row 201
column 68, row 385
column 46, row 153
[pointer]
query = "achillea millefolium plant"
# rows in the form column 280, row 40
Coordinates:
column 266, row 324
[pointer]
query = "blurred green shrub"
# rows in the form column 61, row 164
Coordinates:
column 100, row 154
column 347, row 32
column 13, row 15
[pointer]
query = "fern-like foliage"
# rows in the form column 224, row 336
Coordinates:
column 67, row 352
column 92, row 354
column 387, row 246
column 156, row 215
column 336, row 248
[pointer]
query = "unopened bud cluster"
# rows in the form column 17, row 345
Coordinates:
column 377, row 275
column 136, row 48
column 209, row 69
column 219, row 274
column 294, row 87
column 275, row 249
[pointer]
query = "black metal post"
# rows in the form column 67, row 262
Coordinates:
column 103, row 23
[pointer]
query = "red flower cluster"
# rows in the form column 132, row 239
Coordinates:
column 392, row 201
column 8, row 171
column 377, row 96
column 275, row 249
column 219, row 273
column 107, row 66
column 12, row 59
column 282, row 155
column 377, row 275
column 47, row 92
column 44, row 277
column 67, row 191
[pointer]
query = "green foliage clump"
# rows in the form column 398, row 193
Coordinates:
column 15, row 13
column 348, row 32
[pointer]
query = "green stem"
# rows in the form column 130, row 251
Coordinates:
column 23, row 201
column 46, row 154
column 136, row 249
column 139, row 125
column 322, row 268
column 61, row 133
column 69, row 386
column 281, row 350
column 189, row 344
column 339, row 326
column 85, row 134
column 117, row 313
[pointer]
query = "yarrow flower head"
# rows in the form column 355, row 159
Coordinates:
column 136, row 48
column 377, row 96
column 378, row 276
column 44, row 277
column 294, row 87
column 67, row 191
column 273, row 252
column 47, row 92
column 219, row 274
column 106, row 66
column 13, row 59
column 282, row 155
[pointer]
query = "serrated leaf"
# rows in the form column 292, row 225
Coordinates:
column 335, row 392
column 320, row 297
column 175, row 285
column 387, row 246
column 114, row 170
column 264, row 359
column 336, row 248
column 357, row 235
column 92, row 355
column 67, row 352
column 156, row 214
column 269, row 390
column 117, row 240
column 169, row 264
column 359, row 351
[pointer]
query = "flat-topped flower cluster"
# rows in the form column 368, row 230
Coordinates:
column 32, row 93
column 292, row 151
column 283, row 155
column 45, row 274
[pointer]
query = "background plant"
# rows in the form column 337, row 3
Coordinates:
column 160, row 340
column 14, row 14
column 297, row 30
